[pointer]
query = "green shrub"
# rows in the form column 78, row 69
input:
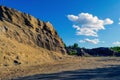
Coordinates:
column 73, row 52
column 115, row 49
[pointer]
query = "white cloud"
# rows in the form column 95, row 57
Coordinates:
column 108, row 21
column 117, row 43
column 87, row 24
column 119, row 21
column 72, row 17
column 93, row 41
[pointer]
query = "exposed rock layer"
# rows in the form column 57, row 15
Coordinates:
column 28, row 30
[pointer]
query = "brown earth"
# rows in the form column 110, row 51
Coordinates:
column 26, row 40
column 27, row 29
column 80, row 67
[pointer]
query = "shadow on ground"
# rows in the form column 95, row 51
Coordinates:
column 109, row 73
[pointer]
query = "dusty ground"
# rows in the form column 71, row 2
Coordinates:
column 68, row 68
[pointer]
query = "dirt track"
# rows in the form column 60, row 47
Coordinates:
column 88, row 68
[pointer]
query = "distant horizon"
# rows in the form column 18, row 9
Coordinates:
column 91, row 24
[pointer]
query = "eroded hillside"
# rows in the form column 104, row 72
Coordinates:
column 25, row 39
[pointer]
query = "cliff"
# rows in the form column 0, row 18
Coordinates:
column 23, row 29
column 28, row 30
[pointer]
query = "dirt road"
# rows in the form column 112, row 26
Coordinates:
column 110, row 73
column 88, row 68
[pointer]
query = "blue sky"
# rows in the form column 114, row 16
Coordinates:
column 96, row 20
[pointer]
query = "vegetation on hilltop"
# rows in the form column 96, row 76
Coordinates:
column 101, row 51
column 72, row 49
column 115, row 49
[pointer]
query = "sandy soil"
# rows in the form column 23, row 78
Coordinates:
column 68, row 68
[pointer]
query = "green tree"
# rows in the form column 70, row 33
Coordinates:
column 115, row 49
column 65, row 45
column 75, row 45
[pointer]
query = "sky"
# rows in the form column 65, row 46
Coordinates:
column 90, row 23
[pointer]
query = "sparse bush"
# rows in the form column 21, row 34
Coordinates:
column 73, row 52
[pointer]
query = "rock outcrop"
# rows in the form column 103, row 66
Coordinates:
column 26, row 29
column 25, row 40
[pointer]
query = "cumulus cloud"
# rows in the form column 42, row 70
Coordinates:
column 117, row 43
column 87, row 24
column 93, row 41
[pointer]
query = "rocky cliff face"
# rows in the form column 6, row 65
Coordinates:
column 26, row 29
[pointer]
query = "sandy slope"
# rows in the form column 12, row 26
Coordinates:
column 66, row 64
column 15, row 53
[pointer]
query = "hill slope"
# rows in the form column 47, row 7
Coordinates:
column 27, row 40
